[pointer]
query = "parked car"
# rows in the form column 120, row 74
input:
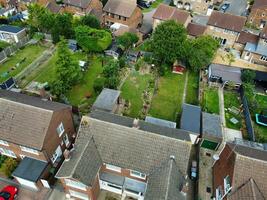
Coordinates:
column 143, row 4
column 9, row 193
column 225, row 7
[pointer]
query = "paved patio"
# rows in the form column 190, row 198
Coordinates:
column 231, row 134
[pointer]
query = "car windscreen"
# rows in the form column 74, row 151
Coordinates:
column 5, row 195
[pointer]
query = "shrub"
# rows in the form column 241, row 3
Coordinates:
column 99, row 84
column 9, row 166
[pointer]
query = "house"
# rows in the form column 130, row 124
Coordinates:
column 224, row 74
column 244, row 38
column 239, row 172
column 165, row 12
column 108, row 100
column 257, row 52
column 11, row 34
column 191, row 120
column 53, row 7
column 258, row 14
column 132, row 158
column 114, row 51
column 122, row 12
column 212, row 131
column 82, row 7
column 225, row 27
column 34, row 128
column 195, row 30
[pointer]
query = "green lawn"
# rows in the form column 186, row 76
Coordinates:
column 210, row 102
column 28, row 54
column 132, row 90
column 153, row 6
column 192, row 88
column 231, row 98
column 167, row 102
column 260, row 131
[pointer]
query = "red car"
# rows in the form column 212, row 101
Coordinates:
column 8, row 193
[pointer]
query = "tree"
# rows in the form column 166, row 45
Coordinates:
column 248, row 76
column 63, row 27
column 168, row 42
column 111, row 73
column 91, row 21
column 201, row 52
column 10, row 164
column 99, row 84
column 68, row 71
column 127, row 40
column 92, row 40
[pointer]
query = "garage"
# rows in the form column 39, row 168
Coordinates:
column 29, row 172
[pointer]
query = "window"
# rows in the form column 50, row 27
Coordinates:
column 7, row 152
column 4, row 143
column 57, row 154
column 75, row 184
column 113, row 168
column 66, row 139
column 219, row 194
column 137, row 174
column 227, row 184
column 79, row 195
column 264, row 58
column 60, row 129
column 29, row 150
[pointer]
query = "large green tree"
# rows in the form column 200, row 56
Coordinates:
column 68, row 72
column 111, row 74
column 92, row 40
column 127, row 40
column 168, row 42
column 201, row 52
column 91, row 21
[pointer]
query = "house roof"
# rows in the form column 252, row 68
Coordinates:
column 259, row 4
column 263, row 33
column 30, row 169
column 106, row 100
column 53, row 7
column 78, row 3
column 258, row 48
column 191, row 117
column 165, row 182
column 248, row 190
column 160, row 122
column 165, row 12
column 10, row 29
column 129, row 148
column 120, row 7
column 245, row 37
column 225, row 72
column 211, row 125
column 30, row 114
column 195, row 29
column 227, row 21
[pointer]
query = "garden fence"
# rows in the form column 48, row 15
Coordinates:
column 8, row 51
column 247, row 115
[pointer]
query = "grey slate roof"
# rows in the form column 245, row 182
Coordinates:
column 225, row 72
column 129, row 148
column 25, row 120
column 106, row 100
column 190, row 119
column 211, row 126
column 10, row 29
column 256, row 48
column 30, row 169
column 165, row 182
column 160, row 122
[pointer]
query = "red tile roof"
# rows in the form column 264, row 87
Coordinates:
column 195, row 29
column 245, row 37
column 259, row 4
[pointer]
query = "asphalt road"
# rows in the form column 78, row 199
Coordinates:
column 237, row 7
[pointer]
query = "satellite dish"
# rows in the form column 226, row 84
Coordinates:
column 216, row 157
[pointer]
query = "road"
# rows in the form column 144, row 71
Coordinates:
column 237, row 7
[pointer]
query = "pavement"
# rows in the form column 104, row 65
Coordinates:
column 237, row 7
column 231, row 134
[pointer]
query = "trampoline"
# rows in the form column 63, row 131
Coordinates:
column 261, row 119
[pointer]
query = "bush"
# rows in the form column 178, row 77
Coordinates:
column 99, row 85
column 9, row 166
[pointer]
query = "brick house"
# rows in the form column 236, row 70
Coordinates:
column 243, row 39
column 128, row 157
column 225, row 27
column 83, row 7
column 256, row 51
column 122, row 12
column 164, row 13
column 239, row 173
column 34, row 128
column 258, row 14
